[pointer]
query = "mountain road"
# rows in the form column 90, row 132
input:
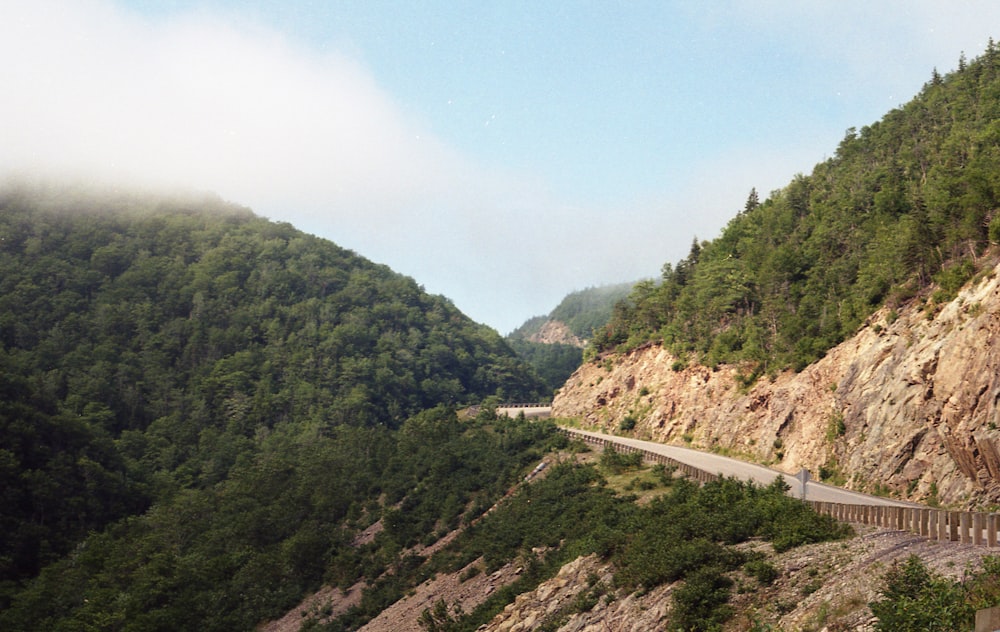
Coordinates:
column 718, row 464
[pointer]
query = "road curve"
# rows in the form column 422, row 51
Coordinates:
column 717, row 464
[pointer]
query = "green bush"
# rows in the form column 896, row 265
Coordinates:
column 701, row 604
column 617, row 462
column 628, row 423
column 762, row 570
column 951, row 280
column 914, row 599
column 664, row 474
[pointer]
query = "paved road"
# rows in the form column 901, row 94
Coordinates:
column 717, row 464
column 531, row 412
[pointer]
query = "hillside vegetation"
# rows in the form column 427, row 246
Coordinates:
column 197, row 403
column 582, row 311
column 578, row 315
column 904, row 203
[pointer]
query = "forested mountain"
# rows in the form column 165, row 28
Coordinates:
column 231, row 383
column 905, row 202
column 553, row 344
column 581, row 311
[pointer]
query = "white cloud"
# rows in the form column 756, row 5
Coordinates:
column 100, row 93
column 196, row 102
column 207, row 101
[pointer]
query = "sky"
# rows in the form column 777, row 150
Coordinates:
column 503, row 154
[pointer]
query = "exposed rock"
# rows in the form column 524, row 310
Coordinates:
column 323, row 605
column 459, row 592
column 828, row 584
column 908, row 405
column 556, row 332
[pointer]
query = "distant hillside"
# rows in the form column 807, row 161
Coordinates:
column 553, row 344
column 905, row 202
column 581, row 312
column 184, row 356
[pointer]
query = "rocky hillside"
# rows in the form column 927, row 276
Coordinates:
column 907, row 406
column 825, row 586
column 553, row 345
column 556, row 332
column 574, row 319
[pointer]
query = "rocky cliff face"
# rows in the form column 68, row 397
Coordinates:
column 908, row 406
column 556, row 332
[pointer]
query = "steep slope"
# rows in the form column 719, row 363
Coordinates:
column 905, row 202
column 553, row 345
column 556, row 332
column 909, row 405
column 821, row 329
column 573, row 320
column 200, row 404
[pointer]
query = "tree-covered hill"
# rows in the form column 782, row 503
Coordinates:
column 153, row 348
column 905, row 203
column 580, row 313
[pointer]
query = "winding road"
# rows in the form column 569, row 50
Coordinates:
column 717, row 464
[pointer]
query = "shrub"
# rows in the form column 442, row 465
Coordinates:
column 701, row 603
column 914, row 599
column 617, row 462
column 664, row 474
column 836, row 428
column 762, row 570
column 628, row 423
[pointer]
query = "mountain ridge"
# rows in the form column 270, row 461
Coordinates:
column 200, row 406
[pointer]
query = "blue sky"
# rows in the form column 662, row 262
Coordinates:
column 503, row 154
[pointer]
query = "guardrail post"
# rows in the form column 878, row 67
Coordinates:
column 964, row 520
column 932, row 524
column 992, row 524
column 988, row 620
column 942, row 525
column 977, row 529
column 924, row 520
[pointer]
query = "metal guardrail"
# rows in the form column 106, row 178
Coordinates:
column 967, row 527
column 689, row 471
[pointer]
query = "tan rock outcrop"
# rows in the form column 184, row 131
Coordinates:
column 908, row 405
column 556, row 332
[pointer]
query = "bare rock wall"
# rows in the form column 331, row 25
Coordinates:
column 909, row 405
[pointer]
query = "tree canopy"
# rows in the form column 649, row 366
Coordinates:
column 155, row 348
column 904, row 203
